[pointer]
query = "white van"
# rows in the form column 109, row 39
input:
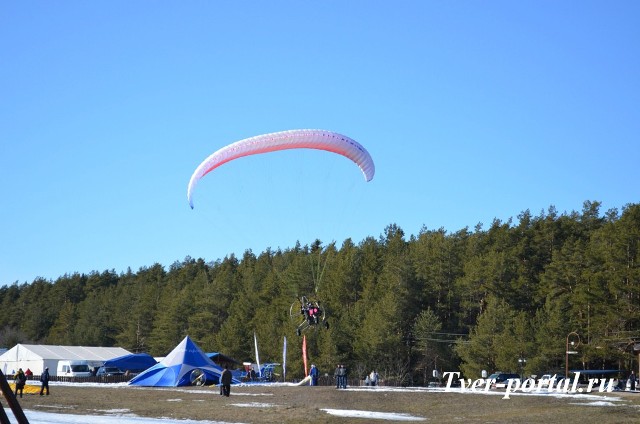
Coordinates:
column 73, row 369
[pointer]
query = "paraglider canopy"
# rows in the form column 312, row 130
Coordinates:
column 293, row 139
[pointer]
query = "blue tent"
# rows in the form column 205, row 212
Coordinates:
column 135, row 362
column 177, row 369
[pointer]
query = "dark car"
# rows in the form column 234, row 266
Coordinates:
column 108, row 371
column 501, row 378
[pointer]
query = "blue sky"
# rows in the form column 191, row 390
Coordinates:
column 471, row 110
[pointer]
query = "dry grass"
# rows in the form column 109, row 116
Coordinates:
column 278, row 404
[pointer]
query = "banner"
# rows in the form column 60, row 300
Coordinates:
column 255, row 341
column 284, row 360
column 304, row 355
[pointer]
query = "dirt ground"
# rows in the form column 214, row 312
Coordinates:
column 288, row 404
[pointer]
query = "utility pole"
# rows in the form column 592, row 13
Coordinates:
column 574, row 344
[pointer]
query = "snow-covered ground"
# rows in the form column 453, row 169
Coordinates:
column 119, row 416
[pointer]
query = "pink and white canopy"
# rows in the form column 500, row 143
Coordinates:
column 292, row 139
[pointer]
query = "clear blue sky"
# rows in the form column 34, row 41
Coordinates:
column 472, row 110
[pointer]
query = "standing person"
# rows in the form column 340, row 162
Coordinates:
column 632, row 380
column 336, row 375
column 225, row 381
column 21, row 379
column 373, row 378
column 44, row 380
column 344, row 377
column 341, row 376
column 314, row 375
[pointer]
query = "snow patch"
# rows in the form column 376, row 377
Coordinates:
column 254, row 405
column 37, row 417
column 597, row 403
column 354, row 413
column 118, row 412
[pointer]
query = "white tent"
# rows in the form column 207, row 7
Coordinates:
column 37, row 357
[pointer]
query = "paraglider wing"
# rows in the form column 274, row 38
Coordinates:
column 284, row 140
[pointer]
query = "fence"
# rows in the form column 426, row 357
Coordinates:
column 93, row 379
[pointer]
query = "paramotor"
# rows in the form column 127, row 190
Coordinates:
column 311, row 313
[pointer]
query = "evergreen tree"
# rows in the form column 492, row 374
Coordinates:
column 426, row 329
column 490, row 345
column 62, row 330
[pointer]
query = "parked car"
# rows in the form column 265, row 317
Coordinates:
column 108, row 371
column 545, row 380
column 514, row 379
column 501, row 379
column 73, row 369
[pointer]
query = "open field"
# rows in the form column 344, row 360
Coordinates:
column 288, row 404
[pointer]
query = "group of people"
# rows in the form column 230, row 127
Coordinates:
column 340, row 375
column 20, row 379
column 371, row 379
column 250, row 375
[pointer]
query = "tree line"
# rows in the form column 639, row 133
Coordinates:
column 470, row 300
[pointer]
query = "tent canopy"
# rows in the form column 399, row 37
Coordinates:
column 37, row 357
column 134, row 362
column 179, row 367
column 69, row 353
